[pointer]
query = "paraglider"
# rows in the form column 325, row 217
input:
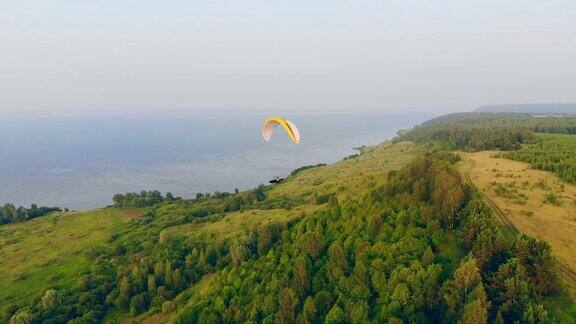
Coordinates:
column 271, row 123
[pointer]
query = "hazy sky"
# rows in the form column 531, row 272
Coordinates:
column 356, row 54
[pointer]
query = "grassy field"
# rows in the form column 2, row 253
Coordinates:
column 49, row 251
column 536, row 202
column 349, row 176
column 343, row 179
column 234, row 224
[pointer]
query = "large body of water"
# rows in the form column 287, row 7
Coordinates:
column 81, row 160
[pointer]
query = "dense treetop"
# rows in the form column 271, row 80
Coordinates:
column 385, row 256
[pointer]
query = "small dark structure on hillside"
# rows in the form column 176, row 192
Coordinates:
column 276, row 180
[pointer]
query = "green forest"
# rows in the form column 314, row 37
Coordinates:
column 394, row 234
column 422, row 248
column 487, row 131
column 538, row 124
column 551, row 152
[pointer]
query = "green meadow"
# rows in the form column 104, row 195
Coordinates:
column 49, row 252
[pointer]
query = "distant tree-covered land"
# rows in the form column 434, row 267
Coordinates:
column 484, row 131
column 10, row 214
column 547, row 143
column 542, row 108
column 544, row 124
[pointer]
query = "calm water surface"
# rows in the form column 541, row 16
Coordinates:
column 81, row 160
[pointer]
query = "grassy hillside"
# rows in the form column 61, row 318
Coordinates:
column 50, row 251
column 55, row 251
column 419, row 247
column 394, row 234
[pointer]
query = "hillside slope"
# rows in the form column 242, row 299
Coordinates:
column 50, row 252
column 55, row 251
column 394, row 234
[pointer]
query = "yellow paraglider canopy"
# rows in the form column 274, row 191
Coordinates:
column 271, row 123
